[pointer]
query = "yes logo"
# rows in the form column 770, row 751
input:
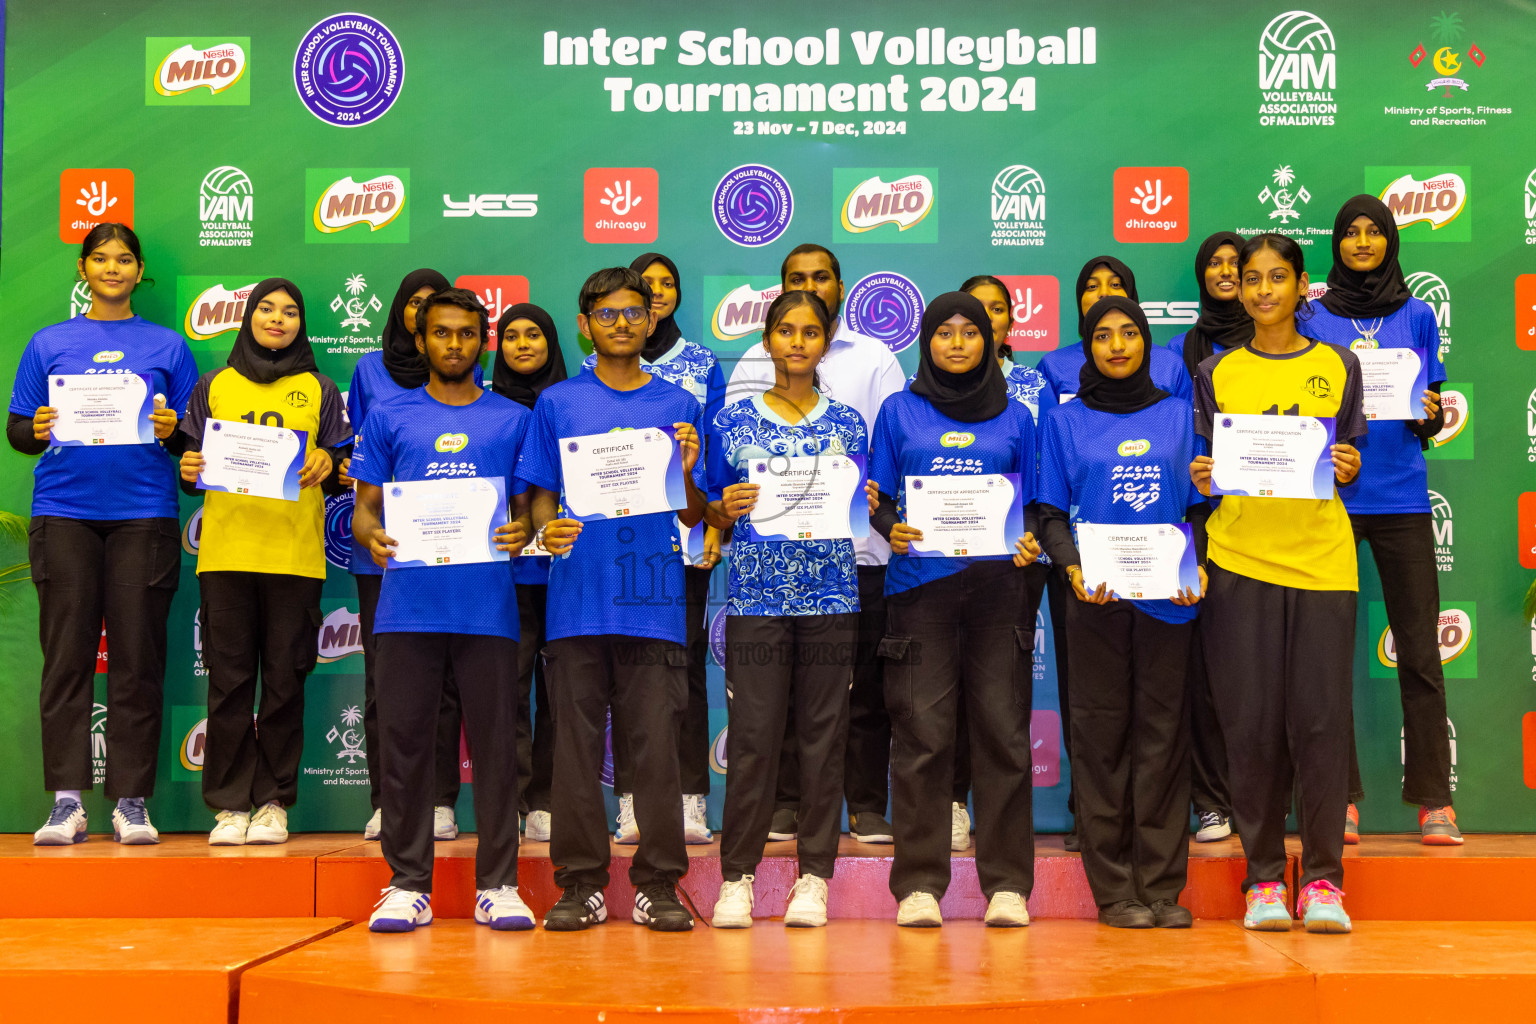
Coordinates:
column 451, row 444
column 1131, row 449
column 1455, row 636
column 957, row 439
column 196, row 72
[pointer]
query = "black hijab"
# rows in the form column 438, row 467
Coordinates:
column 405, row 365
column 978, row 394
column 1222, row 322
column 667, row 332
column 525, row 388
column 263, row 365
column 1106, row 394
column 1379, row 292
column 1120, row 270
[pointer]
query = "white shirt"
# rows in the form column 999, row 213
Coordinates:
column 857, row 371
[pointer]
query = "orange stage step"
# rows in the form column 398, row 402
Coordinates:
column 132, row 970
column 1395, row 877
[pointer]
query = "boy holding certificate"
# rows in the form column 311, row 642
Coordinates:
column 1118, row 455
column 1279, row 633
column 610, row 456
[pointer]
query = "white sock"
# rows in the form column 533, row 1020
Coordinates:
column 67, row 794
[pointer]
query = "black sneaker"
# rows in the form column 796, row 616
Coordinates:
column 783, row 826
column 1127, row 914
column 577, row 909
column 869, row 827
column 1168, row 914
column 1071, row 842
column 658, row 908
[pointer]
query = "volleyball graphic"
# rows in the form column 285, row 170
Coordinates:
column 1296, row 31
column 1017, row 179
column 1428, row 287
column 226, row 181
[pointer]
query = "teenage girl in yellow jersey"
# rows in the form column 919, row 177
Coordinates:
column 1279, row 629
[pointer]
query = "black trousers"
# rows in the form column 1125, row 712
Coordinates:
column 1282, row 662
column 768, row 659
column 1404, row 548
column 535, row 725
column 124, row 571
column 645, row 682
column 1130, row 750
column 446, row 764
column 693, row 730
column 266, row 626
column 1207, row 747
column 962, row 638
column 1058, row 591
column 413, row 669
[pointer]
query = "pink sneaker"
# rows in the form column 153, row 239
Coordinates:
column 1322, row 908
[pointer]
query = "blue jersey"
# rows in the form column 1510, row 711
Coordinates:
column 1128, row 469
column 403, row 440
column 794, row 577
column 128, row 481
column 691, row 367
column 1024, row 385
column 371, row 386
column 623, row 576
column 1062, row 368
column 1393, row 476
column 910, row 436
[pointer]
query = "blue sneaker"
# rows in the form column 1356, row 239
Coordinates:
column 1267, row 911
column 66, row 825
column 400, row 910
column 1322, row 908
column 130, row 823
column 503, row 909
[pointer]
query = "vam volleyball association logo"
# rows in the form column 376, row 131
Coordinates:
column 1018, row 207
column 1440, row 513
column 1432, row 290
column 753, row 205
column 886, row 307
column 179, row 71
column 1298, row 71
column 1530, row 208
column 349, row 70
column 226, row 212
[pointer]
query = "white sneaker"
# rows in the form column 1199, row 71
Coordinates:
column 269, row 825
column 807, row 903
column 959, row 828
column 400, row 910
column 66, row 825
column 1007, row 910
column 131, row 825
column 919, row 910
column 503, row 909
column 734, row 907
column 231, row 828
column 695, row 829
column 628, row 833
column 445, row 824
column 375, row 826
column 1214, row 826
column 537, row 828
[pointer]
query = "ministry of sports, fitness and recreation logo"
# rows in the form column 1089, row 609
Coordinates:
column 1018, row 206
column 340, row 201
column 1433, row 292
column 355, row 305
column 1298, row 70
column 338, row 529
column 886, row 204
column 886, row 307
column 1440, row 511
column 348, row 69
column 1447, row 31
column 226, row 208
column 1282, row 197
column 753, row 205
column 350, row 735
column 179, row 71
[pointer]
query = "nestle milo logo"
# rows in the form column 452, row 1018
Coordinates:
column 957, row 439
column 1131, row 449
column 106, row 357
column 451, row 443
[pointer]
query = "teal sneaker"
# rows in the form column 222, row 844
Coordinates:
column 1267, row 911
column 1322, row 908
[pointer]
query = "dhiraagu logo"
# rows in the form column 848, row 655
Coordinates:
column 957, row 439
column 1131, row 449
column 106, row 357
column 451, row 443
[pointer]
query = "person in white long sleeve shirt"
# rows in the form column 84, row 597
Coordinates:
column 859, row 372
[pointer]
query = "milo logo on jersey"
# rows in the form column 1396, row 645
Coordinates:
column 211, row 306
column 958, row 439
column 1455, row 438
column 1455, row 635
column 108, row 356
column 451, row 444
column 886, row 205
column 1131, row 449
column 343, row 203
column 1427, row 203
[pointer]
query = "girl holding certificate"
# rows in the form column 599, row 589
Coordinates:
column 261, row 561
column 1279, row 630
column 528, row 360
column 1369, row 309
column 954, row 453
column 394, row 370
column 103, row 538
column 1118, row 455
column 796, row 599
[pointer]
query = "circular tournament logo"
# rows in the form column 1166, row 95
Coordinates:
column 607, row 770
column 886, row 307
column 349, row 69
column 338, row 529
column 717, row 637
column 753, row 205
column 572, row 446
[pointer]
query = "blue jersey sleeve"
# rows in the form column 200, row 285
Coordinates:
column 719, row 473
column 1428, row 338
column 373, row 458
column 357, row 401
column 699, row 467
column 1178, row 377
column 1055, row 483
column 884, row 454
column 515, row 484
column 538, row 460
column 714, row 395
column 1029, row 476
column 30, row 392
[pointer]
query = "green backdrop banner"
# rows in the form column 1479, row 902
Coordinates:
column 517, row 147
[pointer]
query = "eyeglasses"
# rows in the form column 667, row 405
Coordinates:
column 608, row 316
